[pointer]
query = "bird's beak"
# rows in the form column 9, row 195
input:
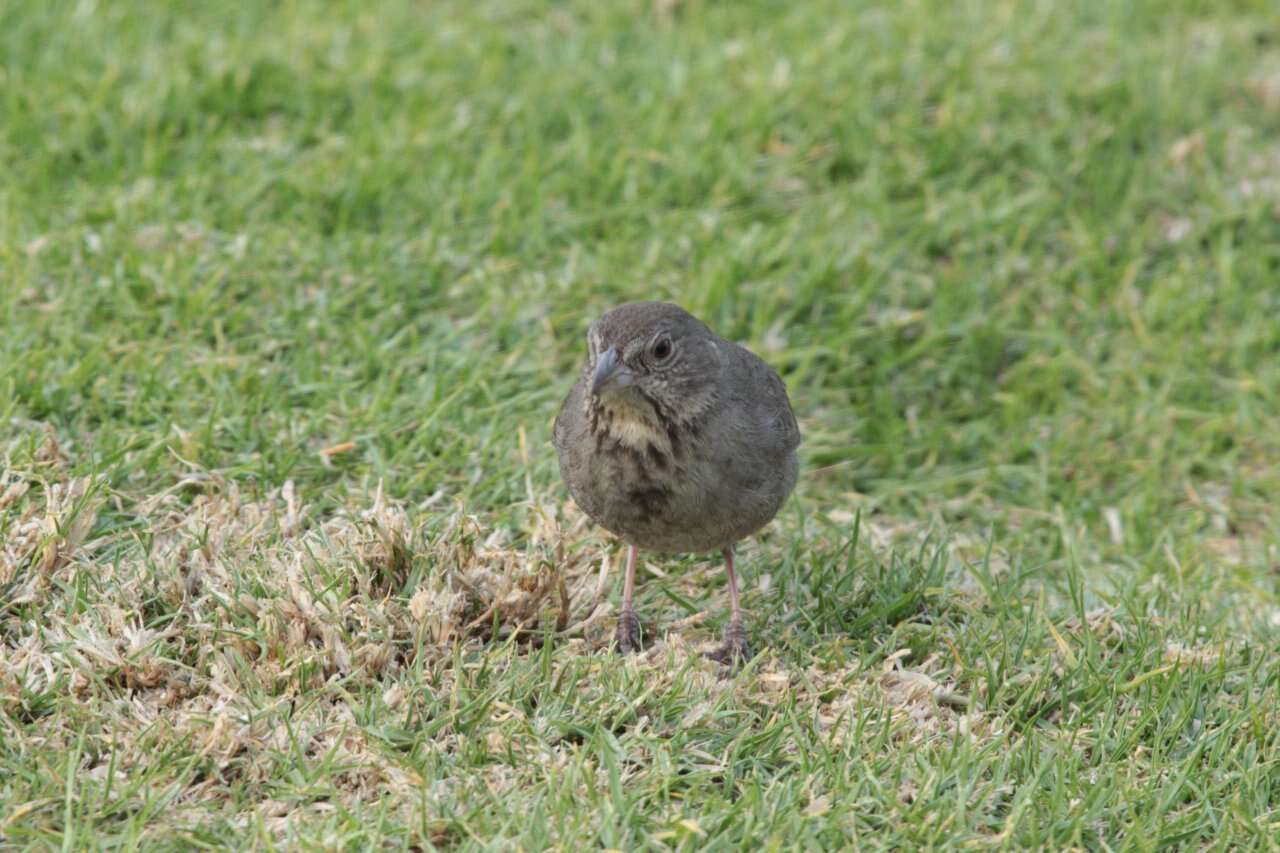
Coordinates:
column 611, row 374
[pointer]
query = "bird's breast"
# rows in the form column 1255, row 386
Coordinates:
column 657, row 486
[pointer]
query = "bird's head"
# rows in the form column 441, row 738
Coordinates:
column 653, row 361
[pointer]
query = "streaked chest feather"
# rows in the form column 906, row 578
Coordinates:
column 631, row 432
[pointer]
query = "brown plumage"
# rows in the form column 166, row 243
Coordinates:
column 676, row 440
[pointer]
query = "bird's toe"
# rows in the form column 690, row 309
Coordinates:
column 735, row 650
column 627, row 638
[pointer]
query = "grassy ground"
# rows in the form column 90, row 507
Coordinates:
column 290, row 293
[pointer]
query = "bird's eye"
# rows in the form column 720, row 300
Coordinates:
column 662, row 349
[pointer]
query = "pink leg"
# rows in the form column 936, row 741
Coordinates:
column 735, row 607
column 628, row 634
column 735, row 648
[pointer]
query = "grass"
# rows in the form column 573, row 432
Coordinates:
column 290, row 293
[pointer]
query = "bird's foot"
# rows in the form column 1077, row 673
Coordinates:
column 735, row 650
column 627, row 637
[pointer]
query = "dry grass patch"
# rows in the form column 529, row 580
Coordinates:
column 217, row 644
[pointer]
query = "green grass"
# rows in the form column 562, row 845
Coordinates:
column 1019, row 264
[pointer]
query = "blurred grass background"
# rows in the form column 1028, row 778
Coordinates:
column 1018, row 262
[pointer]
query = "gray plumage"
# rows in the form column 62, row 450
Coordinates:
column 673, row 438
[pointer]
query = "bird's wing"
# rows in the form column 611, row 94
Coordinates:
column 779, row 405
column 773, row 408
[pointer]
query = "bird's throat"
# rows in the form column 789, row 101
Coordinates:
column 633, row 428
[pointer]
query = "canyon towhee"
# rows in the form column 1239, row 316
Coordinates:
column 676, row 440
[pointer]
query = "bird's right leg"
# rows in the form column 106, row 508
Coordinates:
column 628, row 635
column 735, row 650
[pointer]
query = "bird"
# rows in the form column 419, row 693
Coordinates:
column 676, row 441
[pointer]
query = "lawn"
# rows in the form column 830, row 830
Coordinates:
column 290, row 294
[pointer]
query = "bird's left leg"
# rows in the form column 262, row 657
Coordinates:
column 628, row 635
column 735, row 648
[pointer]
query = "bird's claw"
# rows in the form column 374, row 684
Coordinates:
column 735, row 650
column 627, row 637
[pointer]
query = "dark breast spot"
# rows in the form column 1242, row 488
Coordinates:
column 649, row 501
column 656, row 457
column 639, row 468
